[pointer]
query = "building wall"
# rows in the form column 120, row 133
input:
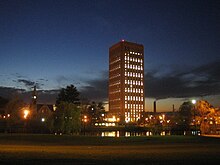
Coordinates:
column 126, row 81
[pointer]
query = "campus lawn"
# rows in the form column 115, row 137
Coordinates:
column 51, row 149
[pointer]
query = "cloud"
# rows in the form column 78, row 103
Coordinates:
column 26, row 82
column 8, row 92
column 47, row 96
column 192, row 82
column 96, row 89
column 201, row 81
column 30, row 84
column 44, row 96
column 177, row 83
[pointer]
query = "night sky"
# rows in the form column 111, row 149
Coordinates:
column 56, row 43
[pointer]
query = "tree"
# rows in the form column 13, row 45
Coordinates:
column 95, row 112
column 206, row 117
column 67, row 118
column 3, row 103
column 69, row 94
column 14, row 112
column 186, row 114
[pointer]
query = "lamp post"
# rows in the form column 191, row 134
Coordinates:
column 194, row 110
column 26, row 113
column 84, row 124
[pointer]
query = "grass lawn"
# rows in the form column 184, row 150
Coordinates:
column 51, row 149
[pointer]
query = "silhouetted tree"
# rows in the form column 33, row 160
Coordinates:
column 186, row 115
column 14, row 113
column 67, row 118
column 69, row 94
column 3, row 103
column 95, row 112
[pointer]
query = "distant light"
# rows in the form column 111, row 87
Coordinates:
column 123, row 40
column 54, row 107
column 26, row 113
column 35, row 97
column 43, row 119
column 194, row 101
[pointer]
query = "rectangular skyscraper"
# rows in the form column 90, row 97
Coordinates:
column 126, row 81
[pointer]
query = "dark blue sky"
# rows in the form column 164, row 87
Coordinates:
column 56, row 43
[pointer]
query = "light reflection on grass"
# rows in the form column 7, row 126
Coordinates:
column 96, row 149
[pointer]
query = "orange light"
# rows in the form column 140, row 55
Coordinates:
column 26, row 113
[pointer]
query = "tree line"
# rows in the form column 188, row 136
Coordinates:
column 72, row 115
column 66, row 118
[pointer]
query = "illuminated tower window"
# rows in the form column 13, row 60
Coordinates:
column 126, row 67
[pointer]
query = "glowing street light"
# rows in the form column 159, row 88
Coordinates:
column 42, row 119
column 84, row 124
column 26, row 113
column 194, row 101
column 194, row 108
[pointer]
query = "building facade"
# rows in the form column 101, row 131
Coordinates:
column 126, row 81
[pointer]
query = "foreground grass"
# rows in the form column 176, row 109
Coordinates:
column 50, row 149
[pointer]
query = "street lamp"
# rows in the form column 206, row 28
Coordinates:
column 42, row 120
column 194, row 101
column 26, row 113
column 84, row 123
column 194, row 109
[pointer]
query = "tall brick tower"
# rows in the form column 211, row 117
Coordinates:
column 126, row 81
